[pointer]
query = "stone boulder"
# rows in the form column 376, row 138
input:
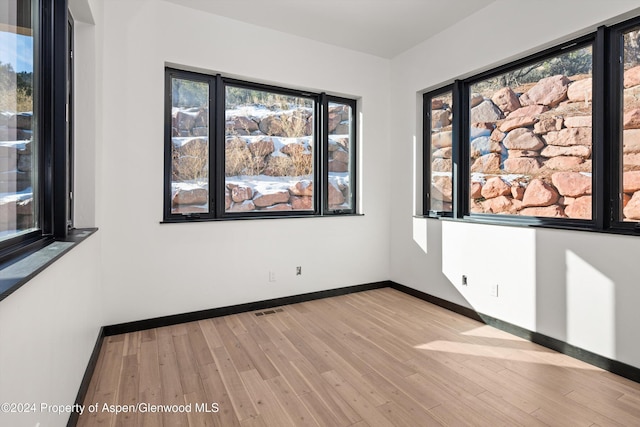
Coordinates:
column 530, row 110
column 476, row 99
column 246, row 206
column 572, row 184
column 631, row 181
column 632, row 210
column 631, row 119
column 581, row 90
column 563, row 163
column 242, row 123
column 571, row 150
column 261, row 148
column 304, row 203
column 553, row 211
column 272, row 126
column 539, row 193
column 488, row 163
column 442, row 153
column 486, row 111
column 442, row 139
column 335, row 196
column 495, row 187
column 302, row 188
column 580, row 208
column 483, row 145
column 631, row 141
column 440, row 119
column 578, row 122
column 195, row 196
column 522, row 165
column 506, row 100
column 632, row 77
column 441, row 165
column 569, row 136
column 241, row 193
column 550, row 124
column 549, row 91
column 269, row 199
column 279, row 207
column 522, row 139
column 442, row 188
column 498, row 205
column 517, row 122
column 476, row 190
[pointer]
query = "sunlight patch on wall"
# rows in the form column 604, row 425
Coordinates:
column 591, row 307
column 420, row 233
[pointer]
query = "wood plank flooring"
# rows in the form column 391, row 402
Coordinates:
column 375, row 358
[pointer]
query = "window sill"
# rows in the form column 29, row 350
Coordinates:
column 18, row 271
column 187, row 220
column 538, row 223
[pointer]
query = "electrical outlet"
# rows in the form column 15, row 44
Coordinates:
column 298, row 271
column 464, row 280
column 494, row 290
column 272, row 276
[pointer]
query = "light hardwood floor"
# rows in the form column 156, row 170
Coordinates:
column 375, row 358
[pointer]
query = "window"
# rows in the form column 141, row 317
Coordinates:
column 33, row 123
column 239, row 149
column 439, row 151
column 628, row 203
column 549, row 140
column 530, row 138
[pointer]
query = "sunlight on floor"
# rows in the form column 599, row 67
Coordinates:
column 505, row 353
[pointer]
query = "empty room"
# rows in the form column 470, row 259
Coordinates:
column 323, row 212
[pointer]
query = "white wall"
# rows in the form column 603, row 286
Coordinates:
column 48, row 329
column 579, row 287
column 153, row 269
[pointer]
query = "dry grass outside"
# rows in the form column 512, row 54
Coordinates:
column 240, row 161
column 16, row 100
column 190, row 162
column 294, row 125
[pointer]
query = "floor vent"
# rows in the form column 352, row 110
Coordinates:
column 264, row 313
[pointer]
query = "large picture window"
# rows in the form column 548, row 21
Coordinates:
column 239, row 149
column 530, row 139
column 548, row 140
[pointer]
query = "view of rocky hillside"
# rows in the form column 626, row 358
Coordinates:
column 531, row 143
column 269, row 159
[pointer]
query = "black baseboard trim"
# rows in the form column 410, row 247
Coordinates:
column 456, row 308
column 158, row 322
column 86, row 379
column 616, row 367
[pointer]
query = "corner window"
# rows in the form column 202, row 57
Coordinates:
column 552, row 139
column 239, row 149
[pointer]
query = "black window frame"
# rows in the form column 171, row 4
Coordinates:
column 353, row 160
column 606, row 43
column 52, row 115
column 217, row 90
column 427, row 159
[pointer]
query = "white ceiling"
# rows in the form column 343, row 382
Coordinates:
column 380, row 27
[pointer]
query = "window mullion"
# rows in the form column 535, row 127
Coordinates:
column 460, row 154
column 601, row 192
column 322, row 155
column 217, row 182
